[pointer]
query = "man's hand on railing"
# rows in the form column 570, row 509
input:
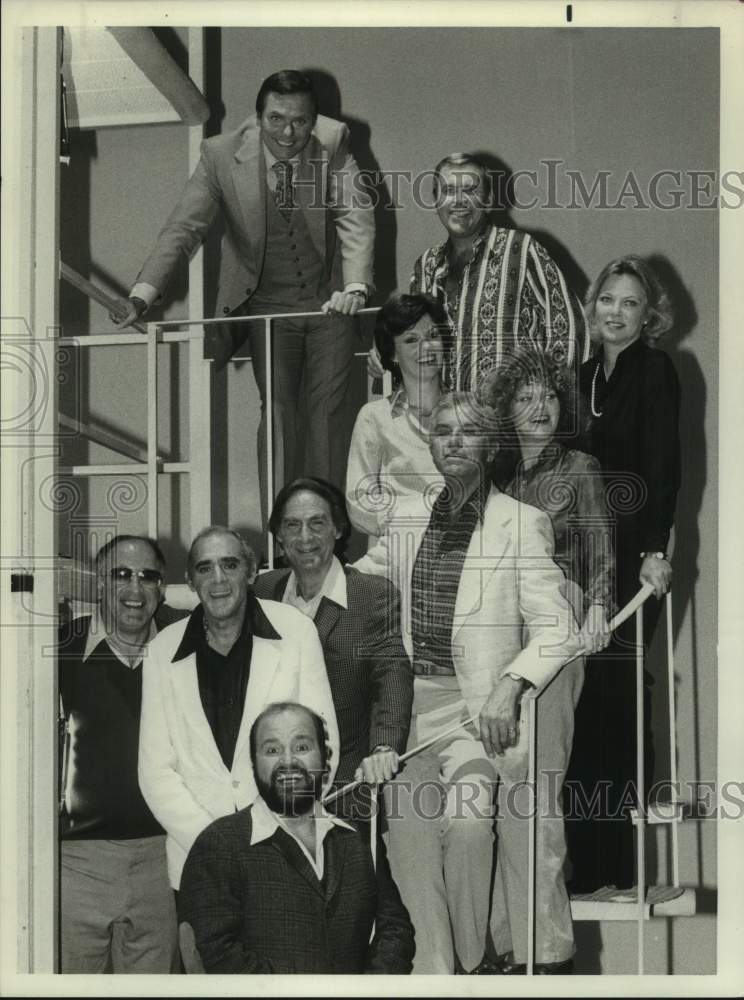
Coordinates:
column 128, row 312
column 498, row 720
column 380, row 766
column 345, row 303
column 656, row 570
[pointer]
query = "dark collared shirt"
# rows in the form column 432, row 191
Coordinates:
column 436, row 580
column 223, row 680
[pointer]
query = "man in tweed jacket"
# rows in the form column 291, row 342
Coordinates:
column 283, row 886
column 358, row 620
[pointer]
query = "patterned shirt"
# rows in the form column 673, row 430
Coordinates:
column 436, row 580
column 510, row 294
column 568, row 486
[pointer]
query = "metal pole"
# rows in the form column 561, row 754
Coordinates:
column 152, row 430
column 640, row 786
column 269, row 437
column 672, row 737
column 531, row 831
column 373, row 823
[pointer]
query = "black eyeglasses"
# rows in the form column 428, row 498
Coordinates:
column 148, row 577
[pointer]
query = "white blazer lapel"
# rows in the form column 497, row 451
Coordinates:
column 264, row 663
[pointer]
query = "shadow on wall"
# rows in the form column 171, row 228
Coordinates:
column 503, row 186
column 386, row 240
column 695, row 474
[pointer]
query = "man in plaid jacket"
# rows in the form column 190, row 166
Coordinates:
column 358, row 621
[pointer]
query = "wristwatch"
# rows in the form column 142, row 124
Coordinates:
column 656, row 555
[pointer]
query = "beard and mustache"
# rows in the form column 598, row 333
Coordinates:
column 291, row 797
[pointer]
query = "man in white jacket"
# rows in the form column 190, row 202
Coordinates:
column 206, row 678
column 485, row 620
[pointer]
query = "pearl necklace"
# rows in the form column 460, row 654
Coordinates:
column 595, row 411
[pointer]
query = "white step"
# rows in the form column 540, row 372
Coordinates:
column 614, row 904
column 661, row 812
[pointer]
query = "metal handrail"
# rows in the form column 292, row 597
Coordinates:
column 161, row 331
column 154, row 328
column 634, row 606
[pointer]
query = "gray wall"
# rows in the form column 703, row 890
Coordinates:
column 597, row 100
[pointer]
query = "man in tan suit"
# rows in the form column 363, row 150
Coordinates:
column 299, row 237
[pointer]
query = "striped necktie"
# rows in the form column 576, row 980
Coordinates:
column 283, row 190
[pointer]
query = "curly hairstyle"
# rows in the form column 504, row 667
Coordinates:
column 499, row 389
column 400, row 313
column 660, row 317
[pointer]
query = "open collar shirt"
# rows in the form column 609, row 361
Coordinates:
column 223, row 680
column 334, row 588
column 265, row 823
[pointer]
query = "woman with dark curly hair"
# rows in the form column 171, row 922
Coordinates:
column 389, row 457
column 632, row 393
column 536, row 400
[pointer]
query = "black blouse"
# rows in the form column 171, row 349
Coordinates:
column 636, row 440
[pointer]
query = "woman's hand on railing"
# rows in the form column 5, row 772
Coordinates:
column 128, row 312
column 657, row 572
column 595, row 632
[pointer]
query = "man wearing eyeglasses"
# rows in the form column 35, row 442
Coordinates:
column 117, row 908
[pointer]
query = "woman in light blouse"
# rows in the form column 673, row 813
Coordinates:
column 389, row 458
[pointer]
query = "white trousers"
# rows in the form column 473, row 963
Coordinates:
column 440, row 818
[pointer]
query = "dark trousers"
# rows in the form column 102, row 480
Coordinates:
column 321, row 350
column 600, row 787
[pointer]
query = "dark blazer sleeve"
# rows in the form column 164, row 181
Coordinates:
column 392, row 948
column 390, row 672
column 660, row 399
column 211, row 900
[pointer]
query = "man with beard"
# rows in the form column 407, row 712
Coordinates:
column 283, row 886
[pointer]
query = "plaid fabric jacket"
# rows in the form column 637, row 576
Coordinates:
column 368, row 668
column 261, row 909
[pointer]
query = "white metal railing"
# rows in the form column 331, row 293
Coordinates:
column 634, row 607
column 152, row 465
column 160, row 328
